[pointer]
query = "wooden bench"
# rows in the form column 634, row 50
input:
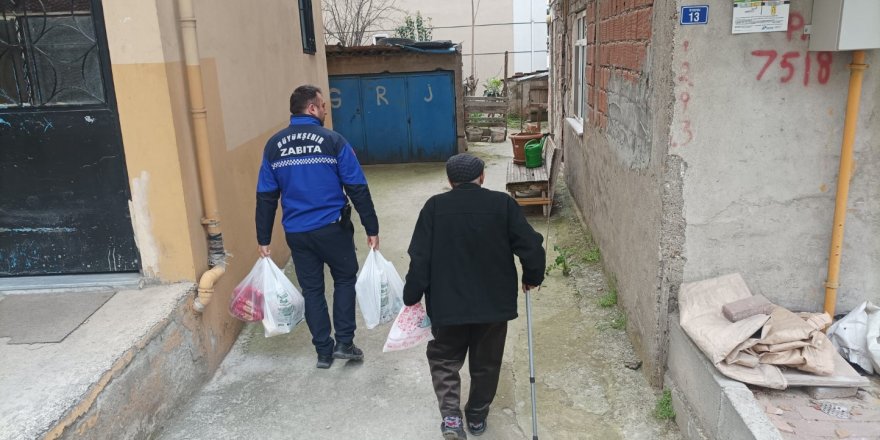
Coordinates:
column 533, row 180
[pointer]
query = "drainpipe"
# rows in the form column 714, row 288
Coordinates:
column 844, row 175
column 198, row 116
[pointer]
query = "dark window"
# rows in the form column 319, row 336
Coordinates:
column 48, row 54
column 307, row 26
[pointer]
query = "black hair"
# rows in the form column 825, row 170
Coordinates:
column 302, row 97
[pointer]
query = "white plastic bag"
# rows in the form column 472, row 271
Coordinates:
column 379, row 290
column 411, row 328
column 283, row 305
column 857, row 336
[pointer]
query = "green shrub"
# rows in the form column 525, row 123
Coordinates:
column 593, row 255
column 493, row 87
column 609, row 299
column 415, row 28
column 663, row 410
column 560, row 262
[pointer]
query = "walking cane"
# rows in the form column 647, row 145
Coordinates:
column 531, row 366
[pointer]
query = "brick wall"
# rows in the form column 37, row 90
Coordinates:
column 618, row 32
column 616, row 165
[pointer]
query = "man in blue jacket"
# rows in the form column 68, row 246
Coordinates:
column 462, row 260
column 314, row 171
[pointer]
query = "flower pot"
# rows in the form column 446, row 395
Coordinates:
column 497, row 134
column 519, row 143
column 474, row 134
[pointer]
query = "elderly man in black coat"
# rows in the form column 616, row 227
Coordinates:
column 462, row 260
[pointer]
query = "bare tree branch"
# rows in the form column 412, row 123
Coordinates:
column 348, row 21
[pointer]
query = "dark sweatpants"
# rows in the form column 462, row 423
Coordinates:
column 484, row 346
column 332, row 245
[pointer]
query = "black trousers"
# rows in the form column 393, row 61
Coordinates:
column 483, row 344
column 332, row 245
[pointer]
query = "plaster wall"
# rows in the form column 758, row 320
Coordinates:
column 247, row 80
column 758, row 120
column 616, row 165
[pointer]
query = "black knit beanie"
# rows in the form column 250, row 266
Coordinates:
column 463, row 168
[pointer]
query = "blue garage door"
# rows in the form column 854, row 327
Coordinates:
column 396, row 118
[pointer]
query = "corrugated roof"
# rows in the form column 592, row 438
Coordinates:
column 337, row 50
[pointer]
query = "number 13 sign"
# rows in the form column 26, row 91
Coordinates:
column 694, row 15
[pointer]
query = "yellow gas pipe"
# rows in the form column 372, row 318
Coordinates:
column 198, row 116
column 844, row 175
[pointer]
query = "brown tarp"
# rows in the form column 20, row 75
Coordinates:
column 753, row 349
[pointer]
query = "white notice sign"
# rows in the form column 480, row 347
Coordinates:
column 762, row 16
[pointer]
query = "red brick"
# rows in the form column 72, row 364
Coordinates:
column 641, row 53
column 643, row 29
column 604, row 32
column 604, row 78
column 630, row 76
column 603, row 101
column 625, row 26
column 618, row 29
column 604, row 9
column 627, row 55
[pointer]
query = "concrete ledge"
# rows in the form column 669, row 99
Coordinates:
column 60, row 283
column 116, row 376
column 709, row 405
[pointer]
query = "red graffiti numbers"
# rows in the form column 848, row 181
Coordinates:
column 788, row 66
column 685, row 73
column 770, row 54
column 686, row 129
column 685, row 133
column 824, row 59
column 789, row 69
column 685, row 98
column 807, row 68
column 795, row 23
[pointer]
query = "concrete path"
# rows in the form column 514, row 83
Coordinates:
column 270, row 388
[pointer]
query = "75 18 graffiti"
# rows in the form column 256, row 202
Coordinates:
column 790, row 69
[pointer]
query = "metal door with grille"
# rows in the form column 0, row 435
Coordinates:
column 63, row 185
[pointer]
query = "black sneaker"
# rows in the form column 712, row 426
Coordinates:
column 452, row 428
column 476, row 428
column 324, row 361
column 348, row 351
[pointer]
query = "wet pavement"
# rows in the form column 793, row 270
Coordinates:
column 270, row 388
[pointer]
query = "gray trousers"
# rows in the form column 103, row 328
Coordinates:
column 483, row 345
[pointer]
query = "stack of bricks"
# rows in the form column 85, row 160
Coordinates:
column 618, row 32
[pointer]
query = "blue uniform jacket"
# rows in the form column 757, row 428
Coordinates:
column 311, row 169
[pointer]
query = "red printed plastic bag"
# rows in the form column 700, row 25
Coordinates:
column 247, row 297
column 411, row 328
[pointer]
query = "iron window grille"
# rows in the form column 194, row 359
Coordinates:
column 49, row 54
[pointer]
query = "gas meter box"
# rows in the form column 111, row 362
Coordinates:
column 845, row 25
